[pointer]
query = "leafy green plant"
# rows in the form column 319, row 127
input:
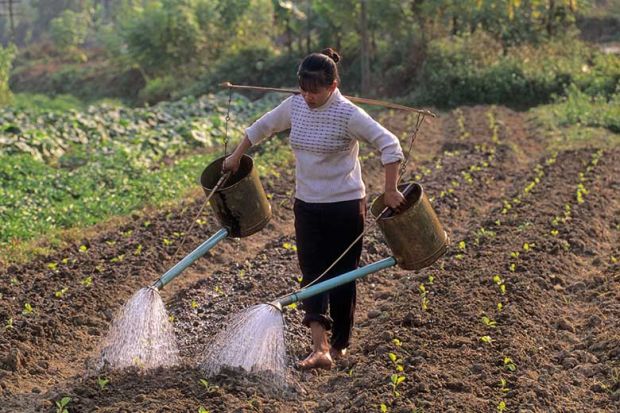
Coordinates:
column 87, row 282
column 102, row 382
column 60, row 293
column 488, row 322
column 396, row 380
column 27, row 309
column 486, row 339
column 61, row 405
column 509, row 364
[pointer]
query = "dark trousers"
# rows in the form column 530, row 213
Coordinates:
column 324, row 231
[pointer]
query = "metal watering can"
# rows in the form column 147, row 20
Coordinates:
column 240, row 205
column 415, row 237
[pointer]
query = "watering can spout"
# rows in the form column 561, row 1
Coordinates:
column 173, row 272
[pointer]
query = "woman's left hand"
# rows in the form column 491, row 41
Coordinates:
column 394, row 199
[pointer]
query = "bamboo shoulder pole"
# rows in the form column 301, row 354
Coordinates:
column 355, row 99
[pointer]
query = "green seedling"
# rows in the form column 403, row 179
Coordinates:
column 208, row 386
column 52, row 266
column 218, row 290
column 61, row 405
column 61, row 293
column 178, row 234
column 100, row 267
column 613, row 259
column 431, row 279
column 383, row 408
column 27, row 309
column 9, row 324
column 194, row 304
column 396, row 380
column 138, row 250
column 488, row 322
column 111, row 242
column 509, row 364
column 289, row 246
column 486, row 339
column 527, row 246
column 201, row 409
column 461, row 245
column 201, row 222
column 512, row 267
column 14, row 281
column 292, row 306
column 102, row 382
column 127, row 233
column 83, row 248
column 503, row 386
column 514, row 254
column 146, row 224
column 397, row 342
column 167, row 242
column 87, row 282
column 171, row 318
column 118, row 258
column 555, row 232
column 501, row 407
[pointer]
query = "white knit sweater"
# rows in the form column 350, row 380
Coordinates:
column 325, row 143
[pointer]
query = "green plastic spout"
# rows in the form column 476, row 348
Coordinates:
column 334, row 282
column 173, row 272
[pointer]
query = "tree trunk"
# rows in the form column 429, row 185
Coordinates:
column 365, row 50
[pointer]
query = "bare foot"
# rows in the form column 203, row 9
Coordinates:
column 337, row 354
column 317, row 360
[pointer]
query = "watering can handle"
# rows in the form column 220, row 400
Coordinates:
column 387, row 211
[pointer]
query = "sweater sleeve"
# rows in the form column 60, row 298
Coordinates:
column 364, row 127
column 274, row 121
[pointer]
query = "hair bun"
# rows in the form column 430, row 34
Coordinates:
column 331, row 53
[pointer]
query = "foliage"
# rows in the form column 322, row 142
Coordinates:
column 39, row 103
column 78, row 168
column 7, row 54
column 471, row 69
column 69, row 30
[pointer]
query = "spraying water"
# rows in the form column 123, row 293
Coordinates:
column 253, row 341
column 141, row 335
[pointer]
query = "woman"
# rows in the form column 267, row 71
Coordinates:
column 330, row 195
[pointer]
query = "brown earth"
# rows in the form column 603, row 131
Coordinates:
column 511, row 211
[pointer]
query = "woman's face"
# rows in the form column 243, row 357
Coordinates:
column 318, row 98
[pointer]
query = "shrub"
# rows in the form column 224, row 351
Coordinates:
column 6, row 61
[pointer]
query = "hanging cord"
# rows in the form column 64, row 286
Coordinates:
column 219, row 183
column 226, row 138
column 419, row 121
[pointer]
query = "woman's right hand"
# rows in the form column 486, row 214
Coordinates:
column 231, row 164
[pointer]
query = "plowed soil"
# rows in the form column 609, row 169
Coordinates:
column 521, row 239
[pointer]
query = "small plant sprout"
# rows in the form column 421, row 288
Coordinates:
column 9, row 324
column 383, row 408
column 555, row 232
column 14, row 281
column 488, row 322
column 194, row 304
column 118, row 258
column 60, row 293
column 61, row 405
column 500, row 307
column 208, row 386
column 397, row 342
column 509, row 364
column 462, row 245
column 486, row 339
column 111, row 242
column 52, row 266
column 423, row 296
column 83, row 248
column 431, row 279
column 527, row 246
column 201, row 409
column 514, row 254
column 87, row 282
column 146, row 224
column 512, row 267
column 127, row 233
column 289, row 246
column 503, row 385
column 292, row 306
column 138, row 250
column 501, row 406
column 102, row 382
column 201, row 222
column 166, row 242
column 27, row 309
column 396, row 380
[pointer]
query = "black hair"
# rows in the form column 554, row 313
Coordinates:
column 318, row 70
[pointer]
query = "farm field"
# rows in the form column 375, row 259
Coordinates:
column 521, row 314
